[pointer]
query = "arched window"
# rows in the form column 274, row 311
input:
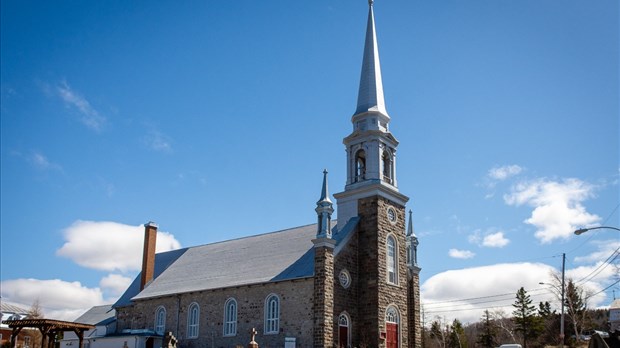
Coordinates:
column 344, row 331
column 391, row 260
column 272, row 314
column 230, row 317
column 193, row 318
column 360, row 165
column 160, row 320
column 391, row 315
column 387, row 167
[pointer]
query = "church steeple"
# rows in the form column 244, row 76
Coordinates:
column 371, row 147
column 324, row 210
column 370, row 95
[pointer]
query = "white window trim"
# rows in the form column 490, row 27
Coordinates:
column 348, row 326
column 395, row 259
column 275, row 328
column 345, row 274
column 160, row 329
column 193, row 329
column 230, row 322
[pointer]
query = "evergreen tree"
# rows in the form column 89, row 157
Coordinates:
column 456, row 338
column 437, row 333
column 524, row 316
column 544, row 310
column 550, row 325
column 487, row 338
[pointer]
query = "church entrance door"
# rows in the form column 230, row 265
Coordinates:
column 391, row 340
column 343, row 337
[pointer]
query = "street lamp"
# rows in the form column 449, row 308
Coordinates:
column 583, row 230
column 562, row 301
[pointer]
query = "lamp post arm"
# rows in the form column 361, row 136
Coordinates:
column 583, row 230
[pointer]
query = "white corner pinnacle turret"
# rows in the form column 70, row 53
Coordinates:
column 410, row 225
column 324, row 210
column 412, row 246
column 370, row 95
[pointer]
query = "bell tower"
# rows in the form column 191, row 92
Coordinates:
column 371, row 194
column 371, row 147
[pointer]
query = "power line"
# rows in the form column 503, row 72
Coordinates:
column 605, row 263
column 612, row 284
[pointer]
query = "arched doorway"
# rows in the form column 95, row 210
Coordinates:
column 392, row 320
column 344, row 331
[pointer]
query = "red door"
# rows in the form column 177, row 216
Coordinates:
column 391, row 341
column 343, row 337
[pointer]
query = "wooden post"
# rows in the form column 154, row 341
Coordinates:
column 14, row 335
column 80, row 335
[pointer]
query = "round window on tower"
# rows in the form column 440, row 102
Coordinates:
column 391, row 214
column 345, row 278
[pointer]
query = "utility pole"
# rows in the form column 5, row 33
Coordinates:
column 562, row 305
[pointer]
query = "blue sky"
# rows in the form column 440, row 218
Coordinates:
column 216, row 119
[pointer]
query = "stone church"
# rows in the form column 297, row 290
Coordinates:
column 346, row 282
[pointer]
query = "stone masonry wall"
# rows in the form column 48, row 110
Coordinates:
column 295, row 314
column 323, row 297
column 376, row 294
column 415, row 325
column 346, row 300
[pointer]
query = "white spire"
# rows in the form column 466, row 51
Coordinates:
column 324, row 210
column 324, row 194
column 412, row 246
column 410, row 227
column 370, row 95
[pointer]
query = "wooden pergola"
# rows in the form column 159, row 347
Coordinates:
column 49, row 328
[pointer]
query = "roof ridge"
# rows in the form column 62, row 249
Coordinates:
column 252, row 236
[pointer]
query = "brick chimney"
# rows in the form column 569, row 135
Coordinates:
column 148, row 254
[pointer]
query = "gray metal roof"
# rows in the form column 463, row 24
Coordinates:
column 270, row 257
column 98, row 315
column 162, row 261
column 7, row 307
column 250, row 260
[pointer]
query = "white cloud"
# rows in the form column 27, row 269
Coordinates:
column 41, row 162
column 495, row 240
column 466, row 293
column 461, row 254
column 88, row 115
column 158, row 141
column 558, row 208
column 605, row 249
column 490, row 240
column 115, row 284
column 58, row 299
column 503, row 173
column 109, row 246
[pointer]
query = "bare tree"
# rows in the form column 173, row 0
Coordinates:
column 35, row 311
column 575, row 302
column 504, row 323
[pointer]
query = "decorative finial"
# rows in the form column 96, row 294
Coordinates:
column 370, row 2
column 410, row 227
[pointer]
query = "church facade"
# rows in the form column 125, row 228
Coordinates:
column 346, row 282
